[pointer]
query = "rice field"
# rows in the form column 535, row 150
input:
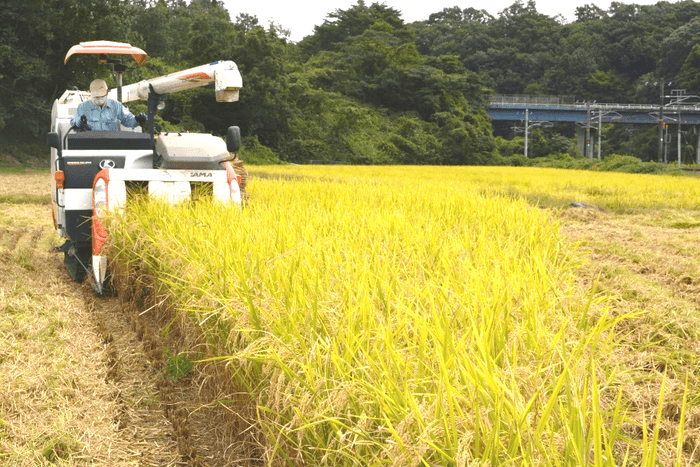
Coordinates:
column 546, row 187
column 406, row 315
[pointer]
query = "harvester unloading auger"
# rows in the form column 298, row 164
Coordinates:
column 95, row 171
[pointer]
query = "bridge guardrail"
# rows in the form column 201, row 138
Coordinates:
column 558, row 102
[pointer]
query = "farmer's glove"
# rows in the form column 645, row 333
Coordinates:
column 142, row 119
column 83, row 123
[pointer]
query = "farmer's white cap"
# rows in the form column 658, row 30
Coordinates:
column 98, row 88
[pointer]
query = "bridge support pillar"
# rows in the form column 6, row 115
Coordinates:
column 585, row 147
column 581, row 140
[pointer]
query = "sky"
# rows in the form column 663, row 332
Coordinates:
column 301, row 17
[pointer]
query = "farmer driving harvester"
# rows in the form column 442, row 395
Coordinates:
column 98, row 171
column 103, row 114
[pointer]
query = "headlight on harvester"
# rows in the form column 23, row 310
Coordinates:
column 99, row 194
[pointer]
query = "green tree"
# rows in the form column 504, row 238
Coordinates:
column 678, row 45
column 589, row 12
column 35, row 37
column 263, row 108
column 607, row 86
column 344, row 24
column 209, row 32
column 689, row 73
column 153, row 24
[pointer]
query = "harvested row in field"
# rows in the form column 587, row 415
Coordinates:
column 391, row 320
column 86, row 380
column 72, row 395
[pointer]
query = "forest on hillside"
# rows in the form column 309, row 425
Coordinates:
column 365, row 87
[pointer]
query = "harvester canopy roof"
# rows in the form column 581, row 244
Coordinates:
column 108, row 48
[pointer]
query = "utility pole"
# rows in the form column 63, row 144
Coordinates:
column 588, row 131
column 680, row 97
column 600, row 130
column 527, row 126
column 679, row 137
column 661, row 122
column 677, row 97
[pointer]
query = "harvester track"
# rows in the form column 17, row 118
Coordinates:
column 199, row 429
column 212, row 423
column 85, row 378
column 75, row 388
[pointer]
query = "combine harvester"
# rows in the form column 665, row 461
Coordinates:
column 95, row 171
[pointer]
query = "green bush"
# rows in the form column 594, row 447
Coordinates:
column 517, row 160
column 17, row 154
column 510, row 147
column 630, row 164
column 611, row 163
column 187, row 125
column 563, row 161
column 253, row 152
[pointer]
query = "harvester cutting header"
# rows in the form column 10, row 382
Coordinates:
column 95, row 171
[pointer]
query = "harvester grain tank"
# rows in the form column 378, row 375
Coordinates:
column 96, row 171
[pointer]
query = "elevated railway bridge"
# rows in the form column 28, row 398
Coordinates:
column 589, row 116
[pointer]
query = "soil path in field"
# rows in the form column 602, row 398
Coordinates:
column 76, row 388
column 81, row 381
column 648, row 264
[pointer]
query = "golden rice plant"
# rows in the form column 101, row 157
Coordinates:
column 544, row 186
column 394, row 316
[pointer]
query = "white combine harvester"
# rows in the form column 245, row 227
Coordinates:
column 95, row 171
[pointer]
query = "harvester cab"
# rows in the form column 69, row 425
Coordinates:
column 96, row 171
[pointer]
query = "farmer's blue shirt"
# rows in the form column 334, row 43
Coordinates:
column 105, row 119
